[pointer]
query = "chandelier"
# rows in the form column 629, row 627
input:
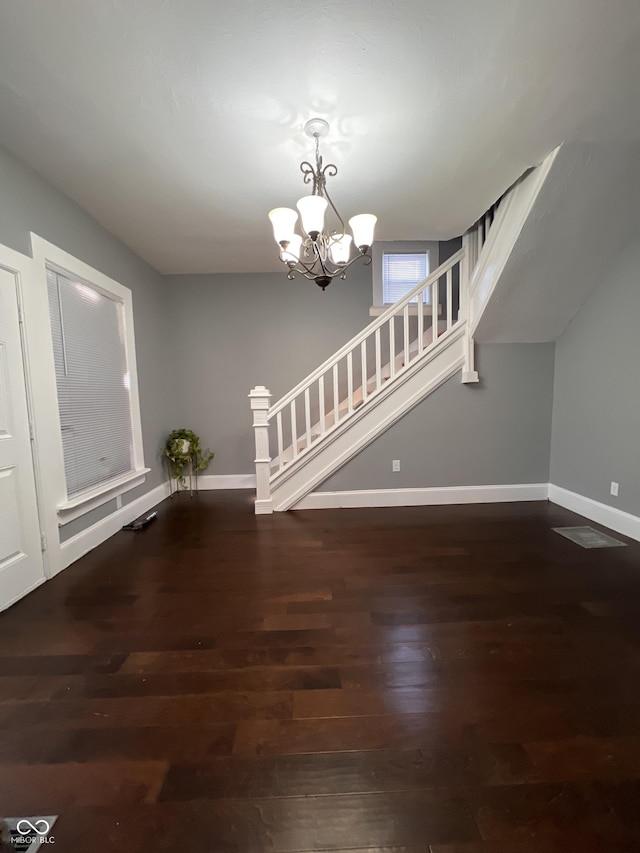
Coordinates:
column 320, row 254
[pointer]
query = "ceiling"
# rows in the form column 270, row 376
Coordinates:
column 178, row 125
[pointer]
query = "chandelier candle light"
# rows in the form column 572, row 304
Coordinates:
column 319, row 255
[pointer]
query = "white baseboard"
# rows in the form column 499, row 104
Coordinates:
column 607, row 516
column 80, row 544
column 226, row 481
column 425, row 497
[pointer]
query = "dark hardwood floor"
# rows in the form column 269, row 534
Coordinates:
column 419, row 680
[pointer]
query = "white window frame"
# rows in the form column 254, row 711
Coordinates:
column 398, row 247
column 60, row 508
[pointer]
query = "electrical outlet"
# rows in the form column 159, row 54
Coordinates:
column 614, row 489
column 395, row 465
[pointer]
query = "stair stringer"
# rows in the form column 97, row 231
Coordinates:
column 408, row 388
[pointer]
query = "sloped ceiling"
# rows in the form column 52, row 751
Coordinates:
column 586, row 213
column 178, row 123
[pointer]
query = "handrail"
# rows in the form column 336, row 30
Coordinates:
column 391, row 311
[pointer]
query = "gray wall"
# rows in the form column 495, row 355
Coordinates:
column 28, row 203
column 596, row 416
column 204, row 341
column 493, row 433
column 232, row 332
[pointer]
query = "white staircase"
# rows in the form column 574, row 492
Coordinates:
column 384, row 371
column 358, row 398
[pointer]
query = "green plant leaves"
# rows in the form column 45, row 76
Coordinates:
column 178, row 461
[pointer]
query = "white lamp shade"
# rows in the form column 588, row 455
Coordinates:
column 312, row 208
column 292, row 253
column 340, row 248
column 362, row 226
column 284, row 221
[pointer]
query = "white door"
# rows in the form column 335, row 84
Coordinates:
column 21, row 562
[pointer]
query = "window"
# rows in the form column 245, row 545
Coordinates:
column 397, row 267
column 400, row 274
column 94, row 385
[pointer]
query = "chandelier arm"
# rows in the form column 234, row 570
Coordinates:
column 334, row 208
column 330, row 270
column 309, row 272
column 325, row 270
column 334, row 271
column 341, row 270
column 366, row 259
column 295, row 267
column 304, row 271
column 309, row 173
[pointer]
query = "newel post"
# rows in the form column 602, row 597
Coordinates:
column 260, row 397
column 469, row 373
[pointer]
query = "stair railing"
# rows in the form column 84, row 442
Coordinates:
column 478, row 234
column 358, row 371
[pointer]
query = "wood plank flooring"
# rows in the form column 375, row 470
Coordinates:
column 419, row 680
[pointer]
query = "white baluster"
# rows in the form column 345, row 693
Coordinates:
column 260, row 397
column 294, row 430
column 307, row 416
column 469, row 373
column 378, row 360
column 465, row 277
column 323, row 419
column 392, row 346
column 280, row 440
column 336, row 395
column 350, row 380
column 468, row 263
column 363, row 362
column 449, row 298
column 421, row 321
column 435, row 302
column 405, row 334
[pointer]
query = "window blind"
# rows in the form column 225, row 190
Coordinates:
column 401, row 273
column 87, row 329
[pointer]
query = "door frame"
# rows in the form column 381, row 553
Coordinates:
column 21, row 267
column 43, row 406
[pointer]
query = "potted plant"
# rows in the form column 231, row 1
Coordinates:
column 182, row 450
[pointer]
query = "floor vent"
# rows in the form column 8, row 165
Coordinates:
column 29, row 834
column 589, row 537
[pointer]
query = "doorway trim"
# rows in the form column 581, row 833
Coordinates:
column 21, row 267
